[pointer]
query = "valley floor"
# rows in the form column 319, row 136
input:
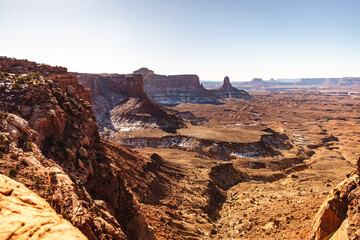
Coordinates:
column 270, row 195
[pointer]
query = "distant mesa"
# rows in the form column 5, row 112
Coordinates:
column 170, row 90
column 257, row 81
column 145, row 72
column 346, row 84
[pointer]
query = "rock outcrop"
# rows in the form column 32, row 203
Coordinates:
column 338, row 216
column 120, row 103
column 57, row 74
column 49, row 141
column 175, row 89
column 227, row 91
column 165, row 90
column 25, row 215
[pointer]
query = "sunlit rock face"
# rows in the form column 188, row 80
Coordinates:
column 177, row 89
column 120, row 101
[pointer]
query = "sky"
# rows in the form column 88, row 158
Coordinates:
column 242, row 39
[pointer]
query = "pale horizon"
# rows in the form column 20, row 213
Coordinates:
column 241, row 39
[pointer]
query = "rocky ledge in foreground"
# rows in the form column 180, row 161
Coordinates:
column 26, row 215
column 49, row 141
column 339, row 216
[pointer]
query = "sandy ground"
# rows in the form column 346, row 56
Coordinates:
column 257, row 198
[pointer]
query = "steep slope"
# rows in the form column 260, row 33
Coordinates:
column 120, row 103
column 49, row 141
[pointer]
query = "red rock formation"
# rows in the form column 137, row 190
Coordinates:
column 120, row 101
column 175, row 89
column 228, row 91
column 166, row 90
column 20, row 206
column 338, row 216
column 133, row 86
column 50, row 142
column 60, row 75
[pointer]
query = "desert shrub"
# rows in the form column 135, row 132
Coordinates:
column 35, row 75
column 65, row 215
column 22, row 80
column 6, row 142
column 3, row 115
column 73, row 178
column 16, row 86
column 13, row 172
column 24, row 162
column 4, row 74
column 68, row 151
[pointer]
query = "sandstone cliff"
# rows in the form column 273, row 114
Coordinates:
column 175, row 89
column 25, row 215
column 120, row 103
column 338, row 216
column 49, row 141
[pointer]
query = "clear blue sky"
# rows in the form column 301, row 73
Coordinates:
column 212, row 38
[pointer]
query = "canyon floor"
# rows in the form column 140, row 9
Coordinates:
column 302, row 145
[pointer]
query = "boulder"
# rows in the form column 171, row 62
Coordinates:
column 19, row 209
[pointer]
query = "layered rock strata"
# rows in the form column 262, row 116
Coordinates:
column 165, row 90
column 49, row 141
column 120, row 103
column 177, row 89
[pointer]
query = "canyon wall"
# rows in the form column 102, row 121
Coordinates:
column 120, row 102
column 49, row 141
column 176, row 89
